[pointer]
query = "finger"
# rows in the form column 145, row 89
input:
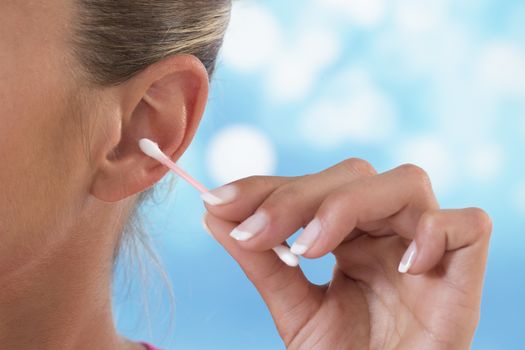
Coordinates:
column 388, row 203
column 242, row 197
column 259, row 186
column 293, row 204
column 441, row 231
column 239, row 199
column 284, row 289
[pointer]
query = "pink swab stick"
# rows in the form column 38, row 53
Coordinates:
column 153, row 150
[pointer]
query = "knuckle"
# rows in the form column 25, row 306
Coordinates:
column 268, row 183
column 336, row 202
column 259, row 180
column 416, row 174
column 264, row 182
column 429, row 220
column 283, row 198
column 482, row 221
column 358, row 166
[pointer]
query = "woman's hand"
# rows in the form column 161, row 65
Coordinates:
column 367, row 220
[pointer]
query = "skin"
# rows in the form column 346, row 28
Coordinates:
column 72, row 171
column 367, row 222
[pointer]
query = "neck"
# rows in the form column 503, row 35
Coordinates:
column 62, row 299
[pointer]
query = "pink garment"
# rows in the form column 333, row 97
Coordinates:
column 149, row 346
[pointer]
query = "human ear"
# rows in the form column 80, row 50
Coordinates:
column 164, row 103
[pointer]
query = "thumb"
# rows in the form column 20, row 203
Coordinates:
column 290, row 297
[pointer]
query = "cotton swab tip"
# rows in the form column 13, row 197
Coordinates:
column 152, row 149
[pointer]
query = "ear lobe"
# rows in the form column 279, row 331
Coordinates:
column 172, row 96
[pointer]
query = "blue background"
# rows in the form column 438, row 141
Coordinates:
column 302, row 85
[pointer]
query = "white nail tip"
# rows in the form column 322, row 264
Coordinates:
column 286, row 256
column 298, row 249
column 211, row 199
column 408, row 258
column 241, row 235
column 403, row 268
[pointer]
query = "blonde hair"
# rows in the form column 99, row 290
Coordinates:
column 116, row 39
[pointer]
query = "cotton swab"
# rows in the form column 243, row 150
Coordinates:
column 153, row 150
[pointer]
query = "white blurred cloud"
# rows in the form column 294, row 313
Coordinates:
column 255, row 42
column 501, row 69
column 363, row 13
column 358, row 112
column 424, row 41
column 432, row 154
column 485, row 162
column 419, row 18
column 297, row 69
column 253, row 37
column 239, row 151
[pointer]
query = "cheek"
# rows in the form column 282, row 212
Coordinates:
column 40, row 164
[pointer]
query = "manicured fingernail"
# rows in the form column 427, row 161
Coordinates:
column 205, row 225
column 250, row 227
column 284, row 253
column 222, row 195
column 408, row 258
column 307, row 237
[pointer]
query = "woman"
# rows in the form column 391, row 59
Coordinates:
column 82, row 81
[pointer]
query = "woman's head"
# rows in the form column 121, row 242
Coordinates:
column 80, row 82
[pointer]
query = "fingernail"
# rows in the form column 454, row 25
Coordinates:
column 408, row 258
column 205, row 225
column 284, row 253
column 307, row 237
column 222, row 195
column 250, row 227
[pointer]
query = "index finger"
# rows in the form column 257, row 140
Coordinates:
column 240, row 198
